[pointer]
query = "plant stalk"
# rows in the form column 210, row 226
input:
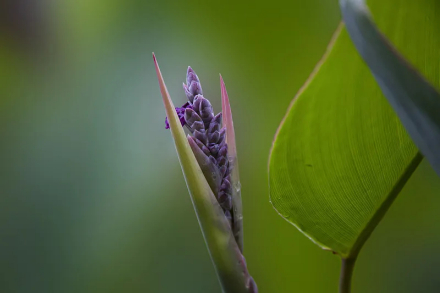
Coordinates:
column 346, row 274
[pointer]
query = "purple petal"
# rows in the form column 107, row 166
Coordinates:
column 181, row 113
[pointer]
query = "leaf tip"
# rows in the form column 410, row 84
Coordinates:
column 226, row 107
column 156, row 65
column 224, row 93
column 163, row 89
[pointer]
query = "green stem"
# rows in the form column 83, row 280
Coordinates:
column 348, row 261
column 346, row 274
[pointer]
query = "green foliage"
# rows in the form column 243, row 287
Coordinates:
column 415, row 100
column 341, row 155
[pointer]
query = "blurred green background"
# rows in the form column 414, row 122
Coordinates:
column 92, row 195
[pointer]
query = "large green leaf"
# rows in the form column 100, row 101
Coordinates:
column 341, row 155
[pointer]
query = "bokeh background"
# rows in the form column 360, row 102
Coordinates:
column 92, row 198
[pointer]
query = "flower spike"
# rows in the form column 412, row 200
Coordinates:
column 207, row 164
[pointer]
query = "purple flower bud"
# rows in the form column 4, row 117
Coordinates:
column 213, row 147
column 196, row 102
column 191, row 116
column 217, row 118
column 188, row 94
column 195, row 88
column 199, row 143
column 213, row 138
column 214, row 125
column 222, row 135
column 199, row 126
column 203, row 147
column 201, row 136
column 191, row 76
column 222, row 196
column 223, row 150
column 225, row 200
column 205, row 111
column 206, row 150
column 181, row 113
column 222, row 161
column 226, row 185
column 213, row 160
column 221, row 144
column 210, row 170
column 223, row 170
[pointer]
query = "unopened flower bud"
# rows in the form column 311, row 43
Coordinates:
column 199, row 126
column 222, row 161
column 213, row 138
column 191, row 116
column 188, row 94
column 206, row 150
column 213, row 160
column 196, row 102
column 217, row 118
column 195, row 88
column 223, row 170
column 199, row 143
column 223, row 150
column 214, row 126
column 225, row 200
column 226, row 185
column 180, row 113
column 205, row 111
column 215, row 123
column 201, row 146
column 222, row 135
column 201, row 136
column 213, row 147
column 191, row 76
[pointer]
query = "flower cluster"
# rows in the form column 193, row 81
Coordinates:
column 208, row 143
column 198, row 115
column 181, row 113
